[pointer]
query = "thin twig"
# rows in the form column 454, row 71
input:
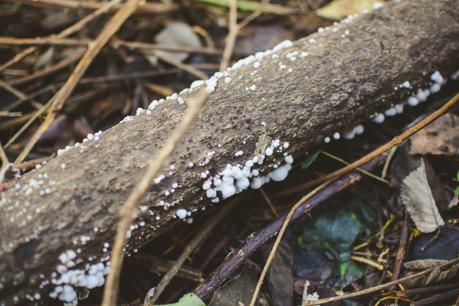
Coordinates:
column 161, row 265
column 12, row 90
column 368, row 262
column 145, row 7
column 3, row 157
column 33, row 117
column 198, row 239
column 68, row 31
column 57, row 41
column 401, row 247
column 94, row 48
column 232, row 35
column 369, row 174
column 387, row 163
column 327, row 179
column 49, row 40
column 48, row 70
column 128, row 210
column 185, row 67
column 380, row 287
column 269, row 202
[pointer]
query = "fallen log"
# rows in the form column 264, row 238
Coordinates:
column 58, row 221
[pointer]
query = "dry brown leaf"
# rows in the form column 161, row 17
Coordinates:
column 417, row 197
column 436, row 276
column 439, row 138
column 339, row 9
column 177, row 34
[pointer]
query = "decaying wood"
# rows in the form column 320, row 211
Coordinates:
column 347, row 76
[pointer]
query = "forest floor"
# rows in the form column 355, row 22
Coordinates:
column 399, row 219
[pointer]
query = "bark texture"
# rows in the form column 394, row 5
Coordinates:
column 71, row 203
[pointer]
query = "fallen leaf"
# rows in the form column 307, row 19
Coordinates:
column 436, row 276
column 177, row 34
column 280, row 277
column 441, row 137
column 339, row 9
column 441, row 245
column 417, row 197
column 305, row 164
column 238, row 290
column 404, row 163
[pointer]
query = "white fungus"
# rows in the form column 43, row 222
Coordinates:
column 379, row 118
column 181, row 213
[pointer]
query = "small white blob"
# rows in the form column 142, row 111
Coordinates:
column 359, row 129
column 181, row 213
column 412, row 101
column 379, row 118
column 280, row 173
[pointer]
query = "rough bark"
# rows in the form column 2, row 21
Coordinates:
column 348, row 75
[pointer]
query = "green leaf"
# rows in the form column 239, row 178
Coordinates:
column 457, row 176
column 350, row 272
column 456, row 192
column 309, row 160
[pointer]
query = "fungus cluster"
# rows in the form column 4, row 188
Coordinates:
column 236, row 178
column 66, row 277
column 417, row 97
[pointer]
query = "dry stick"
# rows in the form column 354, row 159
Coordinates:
column 17, row 58
column 368, row 262
column 49, row 70
column 358, row 163
column 70, row 30
column 146, row 7
column 401, row 248
column 435, row 299
column 3, row 157
column 12, row 90
column 160, row 265
column 255, row 240
column 382, row 286
column 94, row 48
column 128, row 210
column 57, row 41
column 198, row 239
column 33, row 117
column 172, row 48
column 387, row 163
column 232, row 34
column 269, row 202
column 185, row 67
column 49, row 40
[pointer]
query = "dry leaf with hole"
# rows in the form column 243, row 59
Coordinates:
column 417, row 197
column 436, row 276
column 339, row 9
column 441, row 137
